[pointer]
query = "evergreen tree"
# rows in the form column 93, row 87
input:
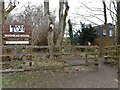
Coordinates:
column 88, row 34
column 83, row 36
column 70, row 31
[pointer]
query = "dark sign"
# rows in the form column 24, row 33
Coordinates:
column 17, row 33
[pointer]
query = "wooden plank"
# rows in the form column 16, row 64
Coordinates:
column 45, row 68
column 47, row 53
column 11, row 70
column 24, row 46
column 16, row 61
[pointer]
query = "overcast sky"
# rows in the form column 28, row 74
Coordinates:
column 76, row 8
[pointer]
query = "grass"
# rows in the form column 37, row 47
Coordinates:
column 30, row 79
column 42, row 78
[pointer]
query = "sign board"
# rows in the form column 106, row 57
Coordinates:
column 17, row 42
column 16, row 33
column 17, row 28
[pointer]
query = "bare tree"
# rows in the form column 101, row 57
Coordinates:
column 62, row 20
column 91, row 12
column 105, row 17
column 41, row 21
column 99, row 12
column 34, row 16
column 118, row 23
column 1, row 23
column 49, row 23
column 61, row 4
column 50, row 30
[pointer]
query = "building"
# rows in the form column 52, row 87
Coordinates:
column 101, row 31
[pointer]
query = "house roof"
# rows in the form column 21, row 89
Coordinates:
column 101, row 27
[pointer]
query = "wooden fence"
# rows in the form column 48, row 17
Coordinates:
column 22, row 58
column 112, row 55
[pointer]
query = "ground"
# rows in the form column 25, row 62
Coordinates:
column 101, row 77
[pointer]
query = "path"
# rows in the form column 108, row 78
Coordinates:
column 105, row 77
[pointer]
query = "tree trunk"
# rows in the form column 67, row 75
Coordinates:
column 59, row 41
column 50, row 29
column 118, row 23
column 62, row 25
column 62, row 20
column 105, row 17
column 46, row 8
column 70, row 31
column 1, row 24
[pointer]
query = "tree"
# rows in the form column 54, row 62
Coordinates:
column 83, row 36
column 1, row 23
column 102, row 13
column 34, row 15
column 50, row 24
column 62, row 20
column 118, row 23
column 76, row 38
column 105, row 17
column 88, row 34
column 70, row 31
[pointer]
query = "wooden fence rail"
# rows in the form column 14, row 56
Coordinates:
column 112, row 55
column 23, row 57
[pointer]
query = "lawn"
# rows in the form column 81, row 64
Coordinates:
column 42, row 78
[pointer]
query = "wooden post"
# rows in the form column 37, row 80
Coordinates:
column 1, row 23
column 96, row 56
column 86, row 59
column 86, row 56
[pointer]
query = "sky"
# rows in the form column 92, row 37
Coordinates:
column 77, row 10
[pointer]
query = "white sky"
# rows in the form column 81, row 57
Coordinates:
column 75, row 8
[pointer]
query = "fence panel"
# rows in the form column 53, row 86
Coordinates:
column 112, row 55
column 29, row 57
